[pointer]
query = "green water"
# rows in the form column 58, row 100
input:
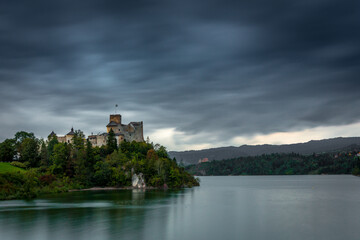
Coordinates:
column 242, row 207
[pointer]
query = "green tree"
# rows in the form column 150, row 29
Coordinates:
column 79, row 164
column 111, row 143
column 60, row 158
column 102, row 173
column 160, row 166
column 161, row 152
column 78, row 140
column 7, row 150
column 44, row 158
column 90, row 156
column 52, row 141
column 29, row 151
column 20, row 137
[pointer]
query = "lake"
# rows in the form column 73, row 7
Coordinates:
column 231, row 207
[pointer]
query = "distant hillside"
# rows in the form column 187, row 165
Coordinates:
column 314, row 146
column 281, row 164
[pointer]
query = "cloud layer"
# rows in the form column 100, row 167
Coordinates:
column 211, row 71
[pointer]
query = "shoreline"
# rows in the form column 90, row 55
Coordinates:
column 113, row 188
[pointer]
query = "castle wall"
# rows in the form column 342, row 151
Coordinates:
column 101, row 140
column 119, row 139
column 133, row 132
column 137, row 134
column 68, row 138
column 61, row 139
column 115, row 129
column 65, row 139
column 98, row 140
column 93, row 140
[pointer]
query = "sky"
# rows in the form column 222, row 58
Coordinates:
column 199, row 74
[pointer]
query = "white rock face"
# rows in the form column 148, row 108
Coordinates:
column 138, row 181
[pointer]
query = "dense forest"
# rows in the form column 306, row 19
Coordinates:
column 282, row 164
column 315, row 146
column 50, row 166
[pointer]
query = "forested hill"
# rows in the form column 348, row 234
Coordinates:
column 318, row 146
column 282, row 164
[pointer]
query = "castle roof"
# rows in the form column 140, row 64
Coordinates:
column 52, row 134
column 71, row 132
column 112, row 124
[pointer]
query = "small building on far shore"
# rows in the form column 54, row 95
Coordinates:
column 202, row 160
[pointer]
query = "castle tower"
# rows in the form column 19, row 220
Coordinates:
column 115, row 123
column 69, row 136
column 115, row 118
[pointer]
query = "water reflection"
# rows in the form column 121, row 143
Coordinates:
column 296, row 207
column 88, row 215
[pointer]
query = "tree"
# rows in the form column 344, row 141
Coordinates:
column 60, row 157
column 52, row 141
column 151, row 155
column 20, row 137
column 111, row 143
column 90, row 156
column 78, row 140
column 29, row 151
column 81, row 173
column 102, row 173
column 160, row 166
column 161, row 152
column 44, row 158
column 7, row 150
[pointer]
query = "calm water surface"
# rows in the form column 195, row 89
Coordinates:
column 239, row 207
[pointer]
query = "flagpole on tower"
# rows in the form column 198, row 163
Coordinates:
column 116, row 107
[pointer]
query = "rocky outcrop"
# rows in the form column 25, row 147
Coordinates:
column 138, row 181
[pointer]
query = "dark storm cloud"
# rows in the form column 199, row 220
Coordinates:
column 228, row 68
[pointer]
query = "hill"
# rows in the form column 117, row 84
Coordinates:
column 314, row 146
column 281, row 164
column 53, row 166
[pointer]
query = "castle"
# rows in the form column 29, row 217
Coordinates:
column 123, row 132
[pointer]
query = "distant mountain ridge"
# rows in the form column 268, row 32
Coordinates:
column 221, row 153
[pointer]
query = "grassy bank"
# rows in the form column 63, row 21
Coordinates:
column 29, row 184
column 6, row 167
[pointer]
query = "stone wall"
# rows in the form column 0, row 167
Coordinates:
column 133, row 131
column 116, row 129
column 61, row 139
column 69, row 138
